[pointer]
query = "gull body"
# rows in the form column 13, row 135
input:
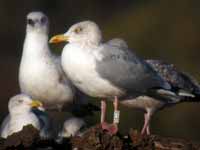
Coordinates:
column 21, row 114
column 87, row 76
column 40, row 73
column 102, row 70
column 146, row 103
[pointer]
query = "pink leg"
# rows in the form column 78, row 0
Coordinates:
column 104, row 124
column 111, row 128
column 148, row 129
column 103, row 111
column 115, row 104
column 116, row 116
column 145, row 129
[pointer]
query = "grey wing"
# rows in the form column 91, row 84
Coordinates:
column 118, row 42
column 127, row 71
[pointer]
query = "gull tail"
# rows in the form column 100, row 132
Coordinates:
column 189, row 97
column 176, row 96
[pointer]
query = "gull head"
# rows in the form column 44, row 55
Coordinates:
column 37, row 22
column 22, row 103
column 86, row 32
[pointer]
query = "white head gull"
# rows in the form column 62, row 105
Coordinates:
column 21, row 114
column 40, row 72
column 106, row 71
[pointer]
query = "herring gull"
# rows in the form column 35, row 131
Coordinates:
column 21, row 114
column 40, row 72
column 105, row 71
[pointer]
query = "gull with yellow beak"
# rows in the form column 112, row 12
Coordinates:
column 21, row 113
column 40, row 72
column 106, row 71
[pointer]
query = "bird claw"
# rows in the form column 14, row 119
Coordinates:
column 112, row 129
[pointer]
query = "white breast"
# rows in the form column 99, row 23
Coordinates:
column 79, row 64
column 39, row 75
column 34, row 80
column 16, row 124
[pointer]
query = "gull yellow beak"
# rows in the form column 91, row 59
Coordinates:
column 36, row 104
column 59, row 38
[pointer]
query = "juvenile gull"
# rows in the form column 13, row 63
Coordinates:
column 21, row 114
column 105, row 71
column 40, row 72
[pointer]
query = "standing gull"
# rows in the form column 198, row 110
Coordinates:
column 21, row 114
column 40, row 72
column 105, row 71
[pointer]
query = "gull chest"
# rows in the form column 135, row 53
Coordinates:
column 80, row 66
column 18, row 122
column 35, row 77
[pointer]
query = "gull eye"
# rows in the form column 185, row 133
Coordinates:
column 78, row 30
column 30, row 22
column 20, row 101
column 43, row 20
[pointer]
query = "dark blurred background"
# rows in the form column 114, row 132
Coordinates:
column 168, row 30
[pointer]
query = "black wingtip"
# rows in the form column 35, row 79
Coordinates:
column 195, row 98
